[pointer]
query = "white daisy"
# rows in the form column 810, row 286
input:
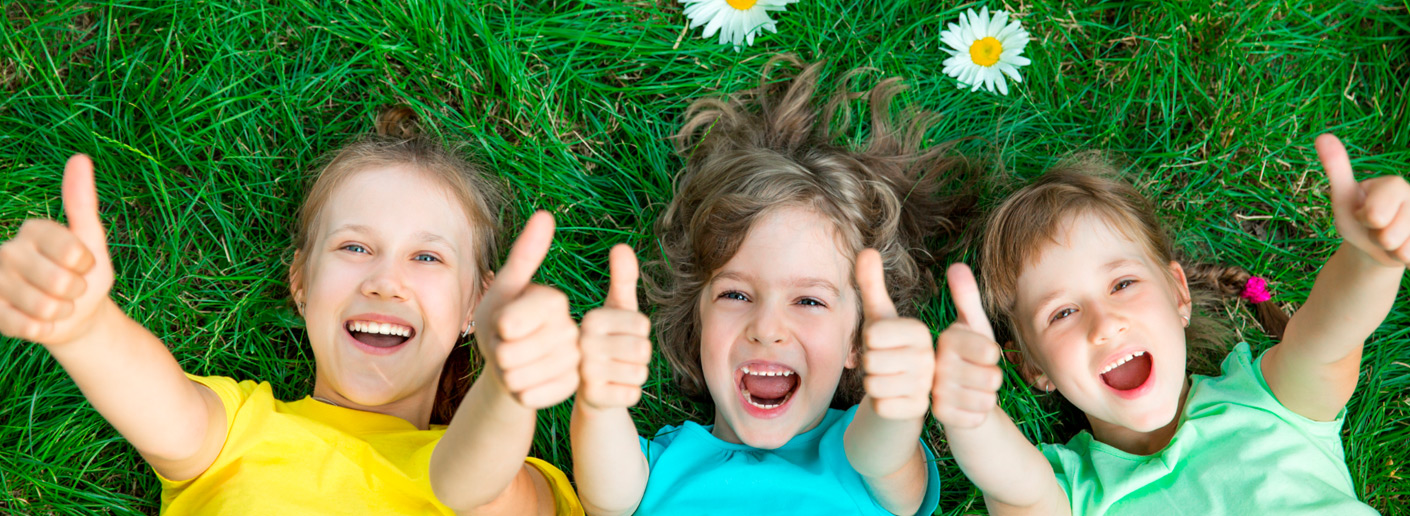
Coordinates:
column 984, row 50
column 737, row 21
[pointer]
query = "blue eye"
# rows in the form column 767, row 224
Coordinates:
column 735, row 295
column 808, row 301
column 1122, row 285
column 426, row 258
column 356, row 248
column 1062, row 314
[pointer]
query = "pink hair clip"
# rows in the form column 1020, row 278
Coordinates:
column 1256, row 290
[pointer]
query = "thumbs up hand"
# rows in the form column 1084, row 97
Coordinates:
column 524, row 331
column 55, row 278
column 898, row 365
column 967, row 375
column 1373, row 215
column 616, row 341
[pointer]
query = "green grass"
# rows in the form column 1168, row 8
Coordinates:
column 203, row 116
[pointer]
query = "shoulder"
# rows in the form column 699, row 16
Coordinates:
column 565, row 499
column 1242, row 383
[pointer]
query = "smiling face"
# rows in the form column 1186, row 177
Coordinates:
column 777, row 326
column 1104, row 324
column 388, row 286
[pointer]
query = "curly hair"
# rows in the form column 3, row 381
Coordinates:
column 772, row 146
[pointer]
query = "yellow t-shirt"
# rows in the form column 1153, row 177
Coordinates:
column 308, row 457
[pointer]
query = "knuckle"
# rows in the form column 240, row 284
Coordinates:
column 642, row 323
column 592, row 321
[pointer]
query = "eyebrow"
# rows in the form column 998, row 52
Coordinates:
column 801, row 282
column 1110, row 266
column 422, row 236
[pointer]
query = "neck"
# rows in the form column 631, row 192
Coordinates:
column 1140, row 443
column 415, row 409
column 724, row 432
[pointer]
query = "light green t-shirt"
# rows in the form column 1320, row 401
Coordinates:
column 1237, row 451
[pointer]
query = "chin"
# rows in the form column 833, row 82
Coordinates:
column 765, row 439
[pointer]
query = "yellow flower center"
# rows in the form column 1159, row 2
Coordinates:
column 742, row 5
column 984, row 52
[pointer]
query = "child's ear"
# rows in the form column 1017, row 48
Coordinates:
column 1182, row 291
column 296, row 280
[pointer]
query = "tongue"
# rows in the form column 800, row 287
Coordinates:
column 769, row 387
column 1130, row 375
column 378, row 340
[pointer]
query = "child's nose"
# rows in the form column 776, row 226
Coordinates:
column 1106, row 323
column 385, row 281
column 768, row 326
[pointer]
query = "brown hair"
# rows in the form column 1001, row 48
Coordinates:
column 768, row 147
column 1027, row 222
column 399, row 141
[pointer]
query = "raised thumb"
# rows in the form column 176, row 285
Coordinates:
column 621, row 292
column 1346, row 193
column 525, row 256
column 871, row 281
column 969, row 308
column 81, row 204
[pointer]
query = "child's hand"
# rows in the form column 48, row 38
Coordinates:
column 967, row 375
column 1373, row 215
column 53, row 278
column 898, row 363
column 525, row 333
column 616, row 341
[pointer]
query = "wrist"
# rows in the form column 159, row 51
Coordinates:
column 590, row 411
column 106, row 320
column 1368, row 261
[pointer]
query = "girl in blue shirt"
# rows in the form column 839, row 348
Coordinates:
column 774, row 307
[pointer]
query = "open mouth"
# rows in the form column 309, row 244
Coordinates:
column 1129, row 373
column 767, row 386
column 379, row 334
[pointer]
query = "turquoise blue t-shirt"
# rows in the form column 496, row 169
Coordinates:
column 693, row 472
column 1237, row 451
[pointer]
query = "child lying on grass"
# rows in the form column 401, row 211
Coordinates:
column 1076, row 267
column 392, row 273
column 775, row 309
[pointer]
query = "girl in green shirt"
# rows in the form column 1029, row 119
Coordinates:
column 1077, row 269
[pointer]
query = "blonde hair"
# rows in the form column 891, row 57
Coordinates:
column 398, row 141
column 771, row 147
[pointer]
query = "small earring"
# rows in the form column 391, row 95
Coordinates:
column 301, row 307
column 466, row 332
column 1187, row 319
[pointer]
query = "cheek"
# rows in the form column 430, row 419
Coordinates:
column 829, row 342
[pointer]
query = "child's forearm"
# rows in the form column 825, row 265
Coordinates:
column 887, row 453
column 480, row 459
column 1351, row 297
column 136, row 384
column 1012, row 473
column 1313, row 371
column 607, row 460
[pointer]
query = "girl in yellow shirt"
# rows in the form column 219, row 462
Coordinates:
column 392, row 273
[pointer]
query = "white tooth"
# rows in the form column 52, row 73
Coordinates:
column 360, row 326
column 747, row 370
column 384, row 329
